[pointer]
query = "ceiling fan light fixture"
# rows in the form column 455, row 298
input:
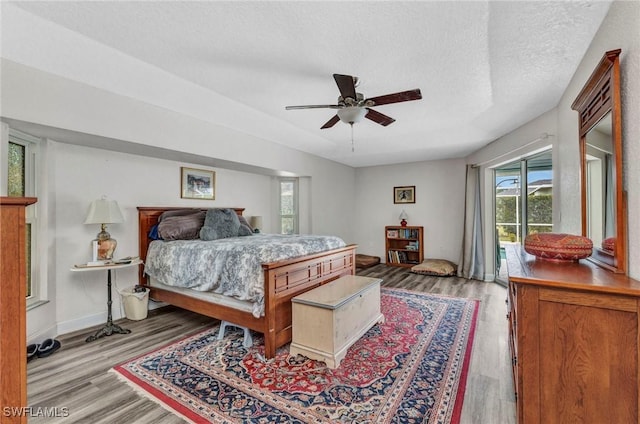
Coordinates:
column 351, row 115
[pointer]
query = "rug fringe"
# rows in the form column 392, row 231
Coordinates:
column 146, row 395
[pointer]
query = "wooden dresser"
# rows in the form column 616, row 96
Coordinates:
column 13, row 315
column 574, row 340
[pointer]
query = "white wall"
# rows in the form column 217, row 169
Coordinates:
column 618, row 30
column 439, row 205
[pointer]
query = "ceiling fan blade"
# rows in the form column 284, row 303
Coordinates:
column 346, row 85
column 314, row 107
column 378, row 117
column 331, row 122
column 403, row 96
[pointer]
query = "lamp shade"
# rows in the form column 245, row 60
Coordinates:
column 351, row 115
column 256, row 222
column 403, row 215
column 103, row 211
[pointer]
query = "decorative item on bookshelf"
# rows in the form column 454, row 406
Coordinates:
column 403, row 218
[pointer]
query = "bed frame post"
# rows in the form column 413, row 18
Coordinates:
column 270, row 330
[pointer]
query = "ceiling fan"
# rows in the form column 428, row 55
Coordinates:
column 352, row 106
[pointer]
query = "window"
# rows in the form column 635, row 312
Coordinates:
column 288, row 210
column 21, row 176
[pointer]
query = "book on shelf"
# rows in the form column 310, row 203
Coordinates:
column 398, row 257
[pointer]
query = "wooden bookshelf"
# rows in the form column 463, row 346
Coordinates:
column 403, row 245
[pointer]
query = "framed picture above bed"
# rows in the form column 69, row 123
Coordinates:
column 197, row 184
column 404, row 194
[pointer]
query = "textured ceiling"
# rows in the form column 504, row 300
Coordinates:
column 484, row 67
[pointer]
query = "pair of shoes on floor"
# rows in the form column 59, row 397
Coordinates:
column 42, row 350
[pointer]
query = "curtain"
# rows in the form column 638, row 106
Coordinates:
column 471, row 264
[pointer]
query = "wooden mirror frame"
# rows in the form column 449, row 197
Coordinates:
column 600, row 96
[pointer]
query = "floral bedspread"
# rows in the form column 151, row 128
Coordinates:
column 230, row 266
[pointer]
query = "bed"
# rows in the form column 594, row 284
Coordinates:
column 283, row 280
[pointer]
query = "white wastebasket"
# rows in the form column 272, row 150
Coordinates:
column 136, row 304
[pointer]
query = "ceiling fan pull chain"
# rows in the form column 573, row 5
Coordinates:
column 352, row 148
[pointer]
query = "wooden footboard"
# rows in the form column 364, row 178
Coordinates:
column 283, row 280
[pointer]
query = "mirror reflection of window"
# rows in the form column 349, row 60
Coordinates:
column 600, row 186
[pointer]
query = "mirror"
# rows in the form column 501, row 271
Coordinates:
column 601, row 220
column 603, row 199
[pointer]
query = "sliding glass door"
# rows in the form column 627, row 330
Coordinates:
column 519, row 211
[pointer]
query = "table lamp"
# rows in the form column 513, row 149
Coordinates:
column 256, row 223
column 403, row 218
column 103, row 211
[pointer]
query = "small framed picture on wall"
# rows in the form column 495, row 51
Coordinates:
column 404, row 194
column 197, row 184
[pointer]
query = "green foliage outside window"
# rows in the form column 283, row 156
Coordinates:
column 16, row 187
column 287, row 207
column 16, row 180
column 540, row 211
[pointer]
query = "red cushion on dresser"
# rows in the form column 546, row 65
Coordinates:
column 558, row 246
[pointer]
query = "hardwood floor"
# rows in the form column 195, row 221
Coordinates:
column 75, row 382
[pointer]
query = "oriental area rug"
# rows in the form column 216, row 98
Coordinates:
column 411, row 368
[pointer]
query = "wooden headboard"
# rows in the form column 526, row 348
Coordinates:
column 148, row 217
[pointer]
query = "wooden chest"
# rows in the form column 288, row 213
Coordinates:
column 329, row 319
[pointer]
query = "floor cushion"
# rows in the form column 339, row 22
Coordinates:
column 366, row 261
column 558, row 246
column 438, row 267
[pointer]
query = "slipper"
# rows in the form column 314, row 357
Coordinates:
column 48, row 347
column 32, row 350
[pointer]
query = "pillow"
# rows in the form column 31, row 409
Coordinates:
column 438, row 267
column 178, row 212
column 153, row 233
column 220, row 223
column 245, row 228
column 181, row 227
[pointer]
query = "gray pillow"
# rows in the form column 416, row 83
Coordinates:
column 245, row 228
column 181, row 227
column 179, row 212
column 220, row 223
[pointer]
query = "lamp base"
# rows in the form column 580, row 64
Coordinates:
column 403, row 223
column 104, row 246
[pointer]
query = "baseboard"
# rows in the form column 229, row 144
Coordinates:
column 40, row 336
column 83, row 322
column 97, row 319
